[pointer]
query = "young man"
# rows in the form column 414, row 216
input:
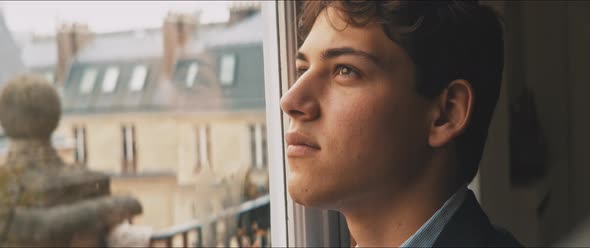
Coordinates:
column 389, row 116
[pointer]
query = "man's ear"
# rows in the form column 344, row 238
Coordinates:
column 451, row 113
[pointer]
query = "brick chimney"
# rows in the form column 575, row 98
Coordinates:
column 241, row 10
column 177, row 30
column 71, row 38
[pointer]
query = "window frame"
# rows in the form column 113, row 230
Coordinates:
column 274, row 15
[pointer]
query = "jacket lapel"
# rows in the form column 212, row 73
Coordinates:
column 469, row 226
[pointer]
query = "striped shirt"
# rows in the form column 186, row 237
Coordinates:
column 428, row 233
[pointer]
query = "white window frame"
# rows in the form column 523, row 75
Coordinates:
column 275, row 52
column 191, row 74
column 292, row 225
column 88, row 79
column 138, row 78
column 111, row 77
column 227, row 69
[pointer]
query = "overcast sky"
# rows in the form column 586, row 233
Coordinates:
column 42, row 17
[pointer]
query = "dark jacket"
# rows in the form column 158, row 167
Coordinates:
column 470, row 227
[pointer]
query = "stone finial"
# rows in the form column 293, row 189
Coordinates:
column 29, row 108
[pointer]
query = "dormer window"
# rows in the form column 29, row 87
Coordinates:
column 191, row 74
column 88, row 79
column 138, row 78
column 228, row 69
column 109, row 82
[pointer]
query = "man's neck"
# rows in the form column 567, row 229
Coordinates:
column 390, row 221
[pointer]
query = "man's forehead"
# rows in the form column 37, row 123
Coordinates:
column 331, row 30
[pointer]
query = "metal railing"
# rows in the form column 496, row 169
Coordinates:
column 168, row 235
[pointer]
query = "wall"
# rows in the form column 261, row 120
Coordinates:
column 546, row 50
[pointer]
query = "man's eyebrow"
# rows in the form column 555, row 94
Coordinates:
column 300, row 56
column 340, row 51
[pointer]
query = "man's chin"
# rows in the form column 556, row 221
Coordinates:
column 311, row 198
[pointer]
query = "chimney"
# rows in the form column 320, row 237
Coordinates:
column 71, row 38
column 178, row 30
column 241, row 10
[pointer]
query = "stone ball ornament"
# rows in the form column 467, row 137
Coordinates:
column 29, row 107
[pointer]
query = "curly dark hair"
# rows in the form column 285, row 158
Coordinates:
column 446, row 40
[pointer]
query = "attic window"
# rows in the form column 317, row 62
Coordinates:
column 138, row 78
column 88, row 79
column 110, row 79
column 191, row 74
column 228, row 68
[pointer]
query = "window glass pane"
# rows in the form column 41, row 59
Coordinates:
column 88, row 79
column 191, row 74
column 228, row 66
column 138, row 78
column 136, row 126
column 110, row 79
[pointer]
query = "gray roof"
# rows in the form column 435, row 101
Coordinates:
column 206, row 95
column 125, row 50
column 140, row 44
column 149, row 43
column 120, row 99
column 123, row 46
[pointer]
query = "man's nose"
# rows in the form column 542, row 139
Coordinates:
column 301, row 102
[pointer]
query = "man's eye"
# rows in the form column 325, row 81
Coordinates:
column 301, row 71
column 346, row 71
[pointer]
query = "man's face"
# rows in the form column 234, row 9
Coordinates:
column 358, row 128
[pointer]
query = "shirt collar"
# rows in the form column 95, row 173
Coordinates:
column 429, row 231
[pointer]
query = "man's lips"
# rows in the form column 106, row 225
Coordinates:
column 299, row 145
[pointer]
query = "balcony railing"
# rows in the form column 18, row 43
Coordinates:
column 166, row 237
